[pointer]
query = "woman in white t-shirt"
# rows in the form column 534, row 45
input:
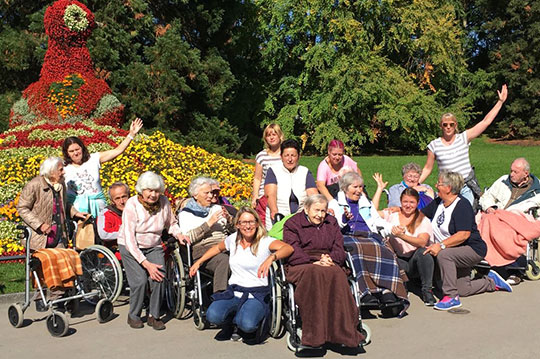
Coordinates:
column 451, row 150
column 251, row 253
column 271, row 155
column 82, row 177
column 411, row 233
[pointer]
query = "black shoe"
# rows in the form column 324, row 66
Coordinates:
column 225, row 333
column 369, row 299
column 388, row 298
column 40, row 306
column 429, row 299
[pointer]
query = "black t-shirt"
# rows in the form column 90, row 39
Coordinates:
column 462, row 219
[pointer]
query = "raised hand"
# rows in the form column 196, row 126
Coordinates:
column 380, row 182
column 503, row 94
column 135, row 127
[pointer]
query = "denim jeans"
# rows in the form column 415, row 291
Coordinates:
column 419, row 265
column 467, row 193
column 246, row 318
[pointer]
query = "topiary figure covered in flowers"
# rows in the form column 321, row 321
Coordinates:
column 68, row 90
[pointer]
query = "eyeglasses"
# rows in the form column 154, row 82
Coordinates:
column 449, row 124
column 439, row 184
column 246, row 223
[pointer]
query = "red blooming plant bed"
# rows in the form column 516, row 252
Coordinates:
column 68, row 90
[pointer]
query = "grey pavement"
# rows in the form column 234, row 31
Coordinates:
column 498, row 325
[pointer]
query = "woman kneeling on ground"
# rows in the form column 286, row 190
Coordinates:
column 327, row 308
column 144, row 218
column 245, row 303
column 458, row 245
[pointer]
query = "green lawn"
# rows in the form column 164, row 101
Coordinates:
column 491, row 161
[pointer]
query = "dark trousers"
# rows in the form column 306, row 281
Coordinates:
column 138, row 279
column 218, row 266
column 419, row 266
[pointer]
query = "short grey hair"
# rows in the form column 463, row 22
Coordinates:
column 49, row 165
column 452, row 179
column 116, row 185
column 411, row 166
column 214, row 182
column 197, row 183
column 150, row 180
column 348, row 178
column 315, row 198
column 524, row 163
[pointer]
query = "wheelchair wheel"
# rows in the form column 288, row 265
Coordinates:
column 16, row 315
column 57, row 324
column 276, row 302
column 199, row 321
column 366, row 331
column 104, row 310
column 101, row 272
column 533, row 270
column 294, row 342
column 175, row 285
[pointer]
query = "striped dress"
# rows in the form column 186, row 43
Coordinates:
column 453, row 157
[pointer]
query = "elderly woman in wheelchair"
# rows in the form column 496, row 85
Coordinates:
column 144, row 218
column 327, row 307
column 379, row 278
column 245, row 303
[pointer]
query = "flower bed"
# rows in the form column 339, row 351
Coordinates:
column 23, row 148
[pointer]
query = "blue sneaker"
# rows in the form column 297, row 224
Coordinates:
column 448, row 303
column 500, row 283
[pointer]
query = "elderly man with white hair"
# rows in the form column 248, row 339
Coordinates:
column 504, row 225
column 144, row 218
column 207, row 224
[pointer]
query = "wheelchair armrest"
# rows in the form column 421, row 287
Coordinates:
column 348, row 248
column 534, row 211
column 278, row 217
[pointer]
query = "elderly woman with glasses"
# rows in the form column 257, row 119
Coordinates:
column 411, row 175
column 145, row 217
column 327, row 308
column 378, row 274
column 246, row 300
column 458, row 245
column 451, row 150
column 207, row 224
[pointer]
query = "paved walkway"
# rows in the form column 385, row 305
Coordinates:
column 499, row 325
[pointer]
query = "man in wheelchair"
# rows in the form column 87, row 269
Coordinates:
column 43, row 207
column 504, row 225
column 110, row 219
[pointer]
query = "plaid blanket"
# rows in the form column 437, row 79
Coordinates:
column 59, row 267
column 376, row 267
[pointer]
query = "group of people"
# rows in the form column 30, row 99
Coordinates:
column 428, row 234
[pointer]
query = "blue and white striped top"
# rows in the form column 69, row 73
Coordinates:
column 453, row 157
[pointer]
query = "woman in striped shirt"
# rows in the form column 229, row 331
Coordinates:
column 451, row 150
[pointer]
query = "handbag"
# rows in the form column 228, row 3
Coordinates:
column 85, row 236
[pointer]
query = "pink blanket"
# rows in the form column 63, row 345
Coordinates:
column 506, row 234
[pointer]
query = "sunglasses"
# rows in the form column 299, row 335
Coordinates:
column 216, row 192
column 448, row 124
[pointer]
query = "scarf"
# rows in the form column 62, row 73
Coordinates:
column 196, row 209
column 152, row 208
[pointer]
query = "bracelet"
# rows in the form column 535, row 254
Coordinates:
column 129, row 135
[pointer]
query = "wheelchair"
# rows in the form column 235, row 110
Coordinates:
column 289, row 314
column 185, row 296
column 98, row 284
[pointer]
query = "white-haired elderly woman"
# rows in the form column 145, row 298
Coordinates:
column 207, row 224
column 378, row 273
column 144, row 218
column 411, row 175
column 458, row 245
column 43, row 206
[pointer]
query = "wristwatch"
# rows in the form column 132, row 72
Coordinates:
column 443, row 246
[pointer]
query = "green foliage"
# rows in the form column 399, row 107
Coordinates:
column 373, row 73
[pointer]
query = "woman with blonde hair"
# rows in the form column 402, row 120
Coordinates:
column 451, row 150
column 251, row 253
column 270, row 155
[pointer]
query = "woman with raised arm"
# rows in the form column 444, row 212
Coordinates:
column 451, row 150
column 83, row 181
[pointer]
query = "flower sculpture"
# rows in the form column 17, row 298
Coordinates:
column 68, row 90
